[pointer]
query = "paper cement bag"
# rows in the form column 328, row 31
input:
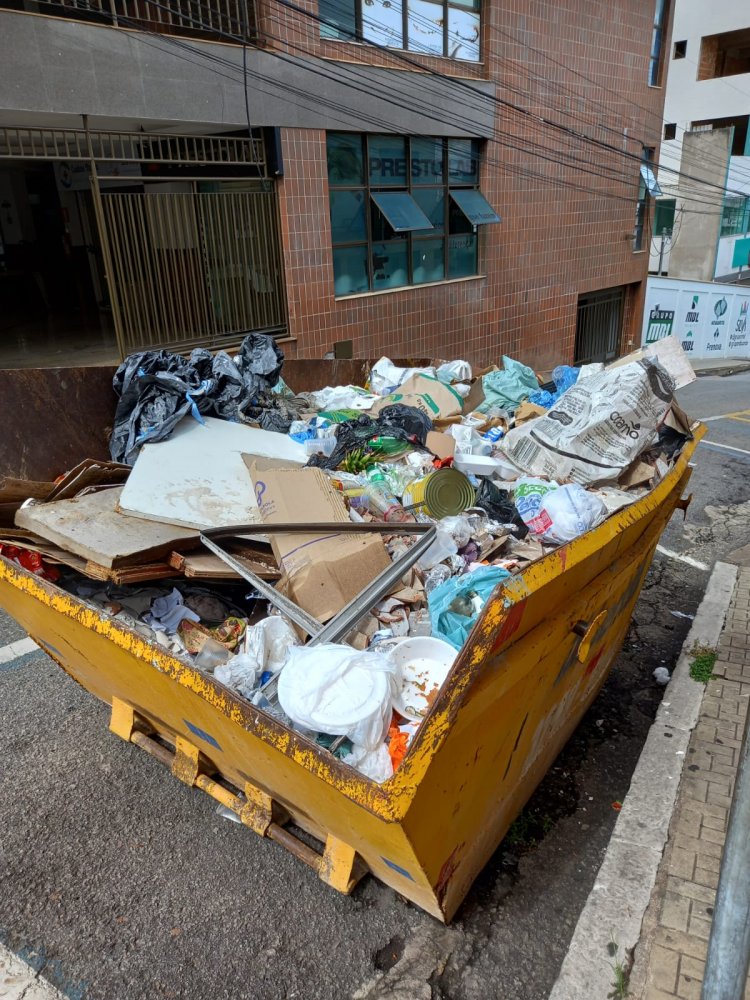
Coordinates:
column 596, row 428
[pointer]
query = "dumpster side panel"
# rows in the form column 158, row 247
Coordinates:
column 517, row 715
column 242, row 743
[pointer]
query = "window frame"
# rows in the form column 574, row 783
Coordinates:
column 644, row 197
column 656, row 55
column 442, row 231
column 446, row 5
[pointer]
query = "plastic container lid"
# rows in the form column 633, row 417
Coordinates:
column 448, row 492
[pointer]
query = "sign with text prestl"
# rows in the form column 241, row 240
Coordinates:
column 709, row 318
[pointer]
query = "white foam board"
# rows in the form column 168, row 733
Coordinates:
column 197, row 478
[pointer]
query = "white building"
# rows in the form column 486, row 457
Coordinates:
column 706, row 138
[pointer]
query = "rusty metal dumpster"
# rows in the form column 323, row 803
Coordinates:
column 535, row 660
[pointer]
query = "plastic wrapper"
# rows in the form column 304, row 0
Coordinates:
column 529, row 495
column 375, row 764
column 342, row 397
column 385, row 376
column 564, row 377
column 456, row 604
column 509, row 387
column 335, row 689
column 241, row 673
column 596, row 428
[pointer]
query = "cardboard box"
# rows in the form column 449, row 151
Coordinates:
column 442, row 445
column 324, row 572
column 428, row 394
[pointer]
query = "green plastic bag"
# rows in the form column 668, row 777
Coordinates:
column 469, row 592
column 509, row 387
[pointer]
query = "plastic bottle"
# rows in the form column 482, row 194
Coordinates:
column 494, row 434
column 381, row 500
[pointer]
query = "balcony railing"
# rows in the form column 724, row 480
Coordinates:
column 218, row 20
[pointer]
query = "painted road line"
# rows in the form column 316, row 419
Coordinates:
column 734, row 415
column 722, row 447
column 16, row 649
column 18, row 980
column 684, row 559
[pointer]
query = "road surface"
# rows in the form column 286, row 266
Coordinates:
column 120, row 883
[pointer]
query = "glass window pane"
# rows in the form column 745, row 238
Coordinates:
column 462, row 256
column 463, row 161
column 387, row 161
column 457, row 221
column 427, row 161
column 425, row 26
column 432, row 203
column 390, row 267
column 463, row 34
column 348, row 216
column 337, row 19
column 427, row 261
column 468, row 4
column 345, row 164
column 401, row 211
column 475, row 206
column 382, row 22
column 350, row 270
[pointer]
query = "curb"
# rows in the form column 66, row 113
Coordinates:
column 621, row 893
column 724, row 371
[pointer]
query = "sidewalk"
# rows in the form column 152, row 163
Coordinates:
column 647, row 919
column 670, row 955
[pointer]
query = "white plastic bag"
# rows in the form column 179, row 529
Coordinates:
column 269, row 641
column 567, row 512
column 341, row 691
column 596, row 428
column 385, row 377
column 454, row 371
column 342, row 397
column 528, row 495
column 241, row 673
column 375, row 764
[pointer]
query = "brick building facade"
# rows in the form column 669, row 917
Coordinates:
column 551, row 105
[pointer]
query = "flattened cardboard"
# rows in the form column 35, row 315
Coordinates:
column 442, row 445
column 324, row 572
column 528, row 411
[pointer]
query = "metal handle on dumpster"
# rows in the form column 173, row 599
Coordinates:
column 587, row 632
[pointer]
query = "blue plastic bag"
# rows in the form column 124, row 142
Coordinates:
column 449, row 624
column 509, row 387
column 564, row 377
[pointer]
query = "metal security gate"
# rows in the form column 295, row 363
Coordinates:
column 194, row 267
column 599, row 325
column 197, row 266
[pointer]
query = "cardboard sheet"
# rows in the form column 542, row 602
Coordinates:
column 91, row 527
column 323, row 572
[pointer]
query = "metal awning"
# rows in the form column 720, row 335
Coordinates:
column 401, row 211
column 475, row 206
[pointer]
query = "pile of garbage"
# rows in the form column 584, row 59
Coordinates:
column 377, row 521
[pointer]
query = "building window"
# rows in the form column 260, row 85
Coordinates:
column 657, row 43
column 648, row 187
column 404, row 211
column 443, row 28
column 670, row 131
column 735, row 217
column 664, row 217
column 680, row 49
column 727, row 54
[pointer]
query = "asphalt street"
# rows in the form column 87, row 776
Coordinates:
column 120, row 883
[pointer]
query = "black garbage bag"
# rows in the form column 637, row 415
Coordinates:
column 157, row 389
column 260, row 361
column 271, row 411
column 406, row 423
column 413, row 422
column 500, row 507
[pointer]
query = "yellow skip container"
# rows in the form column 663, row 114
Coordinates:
column 535, row 660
